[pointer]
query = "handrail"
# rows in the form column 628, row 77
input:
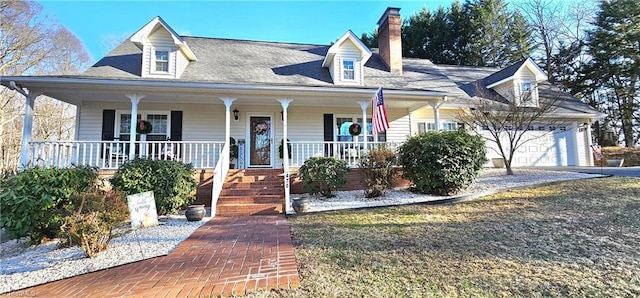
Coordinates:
column 219, row 175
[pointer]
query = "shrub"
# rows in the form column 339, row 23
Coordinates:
column 323, row 175
column 31, row 201
column 442, row 163
column 91, row 219
column 377, row 171
column 172, row 182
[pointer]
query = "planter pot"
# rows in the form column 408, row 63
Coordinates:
column 301, row 205
column 195, row 212
column 497, row 162
column 615, row 162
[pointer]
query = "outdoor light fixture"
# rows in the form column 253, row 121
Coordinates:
column 281, row 115
column 236, row 114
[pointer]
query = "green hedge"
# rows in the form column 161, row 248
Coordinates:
column 442, row 163
column 31, row 201
column 172, row 182
column 323, row 175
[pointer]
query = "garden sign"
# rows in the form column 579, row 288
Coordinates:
column 142, row 210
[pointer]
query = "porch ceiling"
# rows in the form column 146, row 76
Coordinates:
column 76, row 90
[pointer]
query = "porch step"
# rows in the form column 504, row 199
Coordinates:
column 258, row 199
column 248, row 209
column 251, row 192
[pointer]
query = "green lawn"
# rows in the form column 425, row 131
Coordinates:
column 579, row 238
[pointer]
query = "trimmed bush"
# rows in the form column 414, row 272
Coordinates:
column 172, row 182
column 377, row 171
column 442, row 163
column 323, row 175
column 91, row 220
column 31, row 201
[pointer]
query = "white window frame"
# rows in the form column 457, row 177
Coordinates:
column 143, row 115
column 528, row 96
column 153, row 69
column 344, row 70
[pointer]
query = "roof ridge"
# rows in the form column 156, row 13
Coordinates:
column 254, row 41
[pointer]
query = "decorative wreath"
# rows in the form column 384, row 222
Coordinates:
column 355, row 129
column 143, row 126
column 261, row 127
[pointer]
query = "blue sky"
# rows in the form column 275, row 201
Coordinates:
column 98, row 23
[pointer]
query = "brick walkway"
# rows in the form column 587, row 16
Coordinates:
column 226, row 256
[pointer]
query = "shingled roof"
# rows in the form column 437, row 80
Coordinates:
column 231, row 61
column 272, row 63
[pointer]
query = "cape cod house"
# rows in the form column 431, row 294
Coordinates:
column 199, row 92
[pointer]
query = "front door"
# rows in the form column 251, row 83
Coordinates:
column 260, row 133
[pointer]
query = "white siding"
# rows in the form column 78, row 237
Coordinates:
column 525, row 75
column 583, row 143
column 160, row 39
column 398, row 125
column 181, row 63
column 347, row 51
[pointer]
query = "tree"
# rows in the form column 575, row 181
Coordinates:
column 614, row 46
column 509, row 125
column 370, row 39
column 479, row 33
column 33, row 45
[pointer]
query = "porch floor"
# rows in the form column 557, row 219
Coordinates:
column 225, row 256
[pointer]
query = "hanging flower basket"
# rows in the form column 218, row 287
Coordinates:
column 143, row 127
column 355, row 129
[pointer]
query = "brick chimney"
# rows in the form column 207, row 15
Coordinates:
column 390, row 40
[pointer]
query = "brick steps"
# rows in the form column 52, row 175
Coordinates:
column 251, row 192
column 227, row 209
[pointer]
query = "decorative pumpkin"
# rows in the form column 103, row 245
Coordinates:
column 355, row 129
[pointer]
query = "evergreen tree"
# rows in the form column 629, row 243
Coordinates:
column 614, row 45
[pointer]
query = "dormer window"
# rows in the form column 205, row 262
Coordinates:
column 162, row 61
column 348, row 71
column 526, row 87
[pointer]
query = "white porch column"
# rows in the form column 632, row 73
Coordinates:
column 436, row 116
column 436, row 111
column 228, row 101
column 285, row 154
column 27, row 128
column 364, row 105
column 135, row 99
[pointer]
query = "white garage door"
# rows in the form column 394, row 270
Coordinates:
column 544, row 149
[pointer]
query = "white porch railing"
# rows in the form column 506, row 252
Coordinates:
column 111, row 154
column 219, row 176
column 351, row 152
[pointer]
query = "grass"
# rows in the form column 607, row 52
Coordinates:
column 578, row 238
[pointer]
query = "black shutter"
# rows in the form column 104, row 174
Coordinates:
column 328, row 134
column 176, row 125
column 108, row 126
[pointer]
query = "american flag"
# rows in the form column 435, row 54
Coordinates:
column 380, row 121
